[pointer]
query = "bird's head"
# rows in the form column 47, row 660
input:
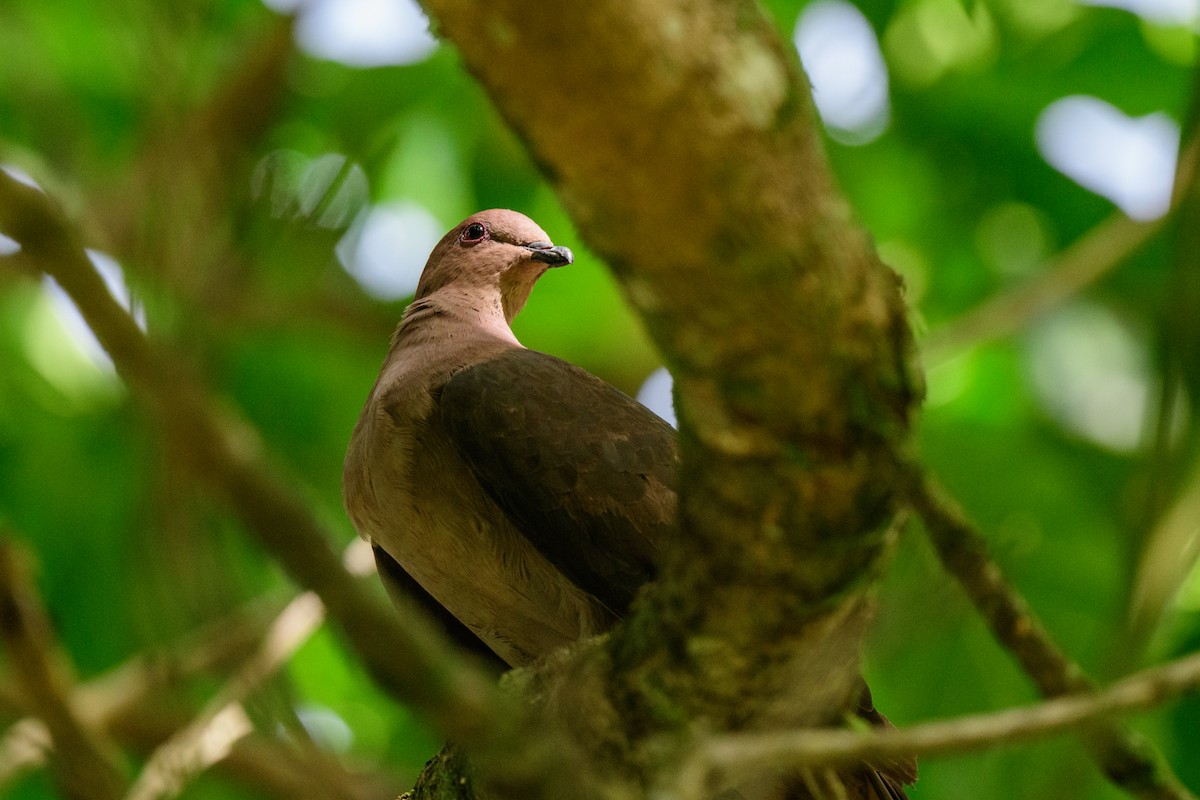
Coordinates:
column 494, row 255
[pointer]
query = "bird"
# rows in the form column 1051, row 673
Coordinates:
column 522, row 501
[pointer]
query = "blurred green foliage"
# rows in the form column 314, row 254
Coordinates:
column 182, row 137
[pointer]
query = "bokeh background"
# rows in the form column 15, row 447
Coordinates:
column 262, row 183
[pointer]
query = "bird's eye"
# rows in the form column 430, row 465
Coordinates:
column 474, row 232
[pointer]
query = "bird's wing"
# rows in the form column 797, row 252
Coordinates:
column 585, row 472
column 406, row 592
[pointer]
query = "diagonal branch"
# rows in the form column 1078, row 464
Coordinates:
column 124, row 691
column 269, row 766
column 124, row 702
column 402, row 651
column 1101, row 250
column 87, row 765
column 783, row 750
column 211, row 735
column 1126, row 758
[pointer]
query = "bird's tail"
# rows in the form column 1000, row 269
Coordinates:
column 882, row 787
column 885, row 780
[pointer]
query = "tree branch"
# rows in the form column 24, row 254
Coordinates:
column 210, row 737
column 682, row 140
column 401, row 650
column 1126, row 758
column 123, row 691
column 1086, row 261
column 87, row 766
column 269, row 766
column 122, row 702
column 784, row 750
column 1104, row 248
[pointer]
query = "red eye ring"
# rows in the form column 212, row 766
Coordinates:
column 475, row 232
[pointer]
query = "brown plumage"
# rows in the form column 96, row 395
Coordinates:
column 524, row 495
column 522, row 500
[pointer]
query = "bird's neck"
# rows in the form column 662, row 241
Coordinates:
column 437, row 336
column 450, row 314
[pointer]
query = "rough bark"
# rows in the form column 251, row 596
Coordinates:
column 682, row 139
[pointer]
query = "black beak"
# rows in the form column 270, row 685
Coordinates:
column 549, row 254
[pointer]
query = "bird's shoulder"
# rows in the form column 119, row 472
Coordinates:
column 393, row 428
column 586, row 472
column 530, row 405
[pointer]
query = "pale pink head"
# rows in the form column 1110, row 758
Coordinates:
column 493, row 252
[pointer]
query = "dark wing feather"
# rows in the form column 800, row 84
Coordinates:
column 585, row 472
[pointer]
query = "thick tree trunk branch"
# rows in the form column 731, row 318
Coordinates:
column 682, row 139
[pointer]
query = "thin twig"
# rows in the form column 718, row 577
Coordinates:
column 271, row 767
column 1165, row 531
column 86, row 766
column 733, row 755
column 210, row 736
column 963, row 553
column 1126, row 758
column 1087, row 260
column 123, row 690
column 121, row 702
column 25, row 745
